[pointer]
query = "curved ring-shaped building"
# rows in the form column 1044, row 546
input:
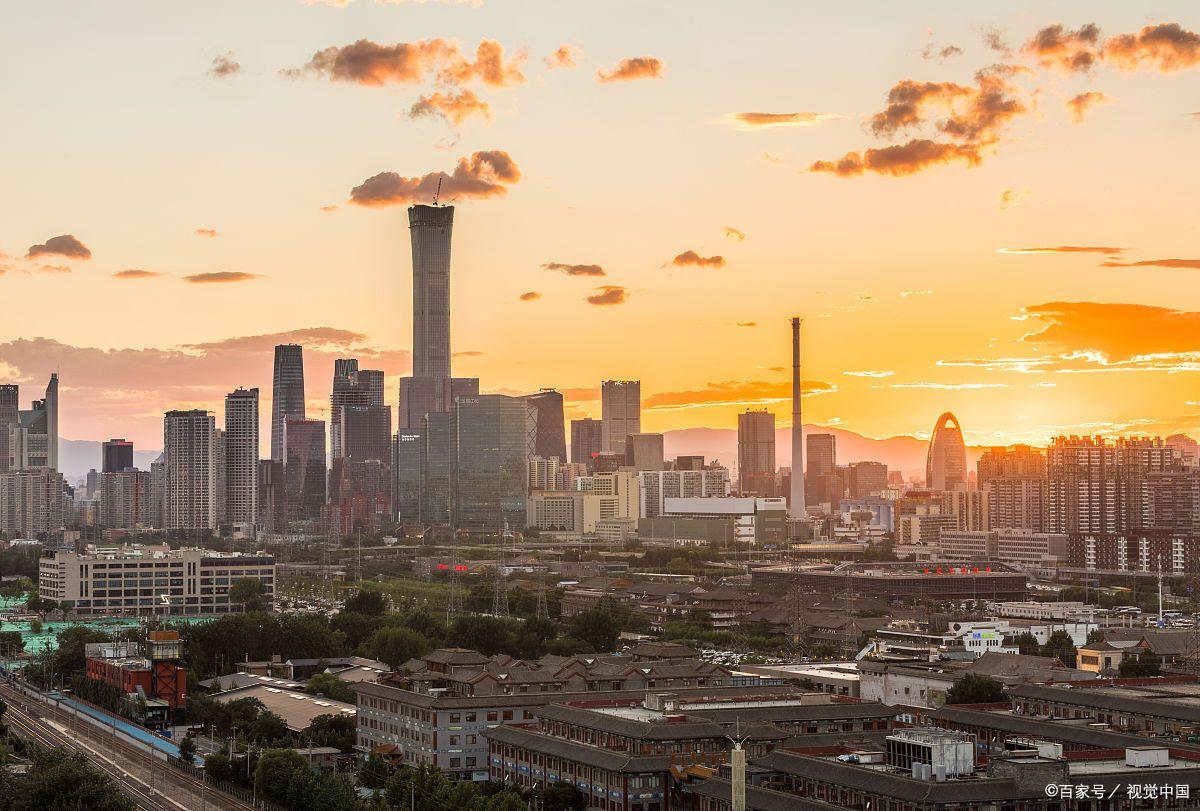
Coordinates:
column 946, row 464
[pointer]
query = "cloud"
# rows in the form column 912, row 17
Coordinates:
column 470, row 353
column 1189, row 264
column 329, row 208
column 734, row 234
column 908, row 293
column 900, row 160
column 747, row 323
column 53, row 269
column 693, row 259
column 224, row 65
column 609, row 294
column 1058, row 47
column 136, row 273
column 632, row 69
column 575, row 270
column 369, row 63
column 221, row 277
column 1010, row 197
column 210, row 233
column 1078, row 106
column 948, row 386
column 453, row 107
column 65, row 245
column 1115, row 332
column 872, row 373
column 124, row 391
column 1107, row 250
column 994, row 39
column 748, row 122
column 564, row 57
column 532, row 295
column 482, row 175
column 1166, row 47
column 948, row 51
column 733, row 392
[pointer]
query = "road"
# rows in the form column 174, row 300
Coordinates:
column 151, row 783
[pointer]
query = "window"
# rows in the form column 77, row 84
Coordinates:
column 455, row 762
column 470, row 718
column 491, row 716
column 455, row 717
column 508, row 715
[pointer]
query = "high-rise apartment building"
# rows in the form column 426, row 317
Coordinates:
column 190, row 445
column 970, row 507
column 1096, row 486
column 621, row 410
column 946, row 462
column 116, row 455
column 272, row 496
column 33, row 439
column 125, row 499
column 10, row 416
column 1014, row 479
column 241, row 457
column 1014, row 461
column 655, row 486
column 549, row 437
column 488, row 453
column 644, row 451
column 587, row 440
column 305, row 468
column 31, row 503
column 756, row 453
column 287, row 395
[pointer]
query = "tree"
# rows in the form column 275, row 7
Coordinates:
column 249, row 593
column 218, row 766
column 374, row 772
column 368, row 602
column 337, row 731
column 973, row 688
column 1144, row 664
column 275, row 772
column 488, row 635
column 599, row 626
column 1061, row 646
column 268, row 728
column 1095, row 636
column 563, row 797
column 187, row 749
column 59, row 780
column 330, row 686
column 1027, row 644
column 396, row 645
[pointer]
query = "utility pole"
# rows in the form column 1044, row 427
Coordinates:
column 500, row 586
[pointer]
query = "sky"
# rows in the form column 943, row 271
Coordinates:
column 987, row 208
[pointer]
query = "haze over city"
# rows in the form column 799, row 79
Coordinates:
column 985, row 209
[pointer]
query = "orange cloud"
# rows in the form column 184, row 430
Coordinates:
column 932, row 50
column 1079, row 105
column 206, row 232
column 575, row 270
column 609, row 294
column 65, row 245
column 1167, row 47
column 136, row 273
column 369, row 63
column 1104, row 249
column 758, row 121
column 734, row 234
column 693, row 259
column 733, row 392
column 221, row 277
column 1010, row 197
column 747, row 323
column 565, row 56
column 482, row 175
column 329, row 208
column 1057, row 47
column 1117, row 332
column 908, row 103
column 53, row 269
column 454, row 107
column 224, row 65
column 632, row 69
column 532, row 295
column 900, row 160
column 1189, row 264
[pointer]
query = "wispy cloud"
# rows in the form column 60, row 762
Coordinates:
column 208, row 233
column 221, row 277
column 749, row 122
column 1188, row 264
column 224, row 66
column 1107, row 250
column 564, row 57
column 872, row 373
column 531, row 295
column 574, row 270
column 693, row 259
column 136, row 273
column 632, row 69
column 733, row 234
column 482, row 175
column 608, row 295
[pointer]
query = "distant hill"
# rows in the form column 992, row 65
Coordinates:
column 904, row 453
column 77, row 456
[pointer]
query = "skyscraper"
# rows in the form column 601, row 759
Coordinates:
column 549, row 436
column 304, row 469
column 756, row 453
column 822, row 463
column 272, row 496
column 287, row 394
column 10, row 416
column 366, row 433
column 587, row 440
column 125, row 498
column 621, row 411
column 33, row 439
column 867, row 478
column 189, row 443
column 946, row 464
column 116, row 455
column 1094, row 486
column 241, row 457
column 431, row 229
column 352, row 388
column 488, row 462
column 644, row 451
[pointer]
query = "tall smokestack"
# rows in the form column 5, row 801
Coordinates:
column 796, row 496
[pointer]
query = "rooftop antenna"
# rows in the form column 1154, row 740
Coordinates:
column 737, row 762
column 437, row 193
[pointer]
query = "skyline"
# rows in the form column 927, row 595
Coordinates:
column 1014, row 293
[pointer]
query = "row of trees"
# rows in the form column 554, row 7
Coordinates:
column 57, row 779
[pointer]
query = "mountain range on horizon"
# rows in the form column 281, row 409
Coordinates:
column 903, row 453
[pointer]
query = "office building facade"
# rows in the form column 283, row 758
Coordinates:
column 756, row 453
column 116, row 455
column 621, row 409
column 305, row 468
column 587, row 440
column 287, row 395
column 488, row 449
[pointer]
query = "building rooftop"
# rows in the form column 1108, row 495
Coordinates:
column 296, row 709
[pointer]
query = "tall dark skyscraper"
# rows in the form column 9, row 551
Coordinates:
column 305, row 468
column 756, row 453
column 116, row 455
column 366, row 433
column 621, row 407
column 287, row 394
column 488, row 456
column 431, row 228
column 549, row 436
column 587, row 440
column 10, row 415
column 352, row 388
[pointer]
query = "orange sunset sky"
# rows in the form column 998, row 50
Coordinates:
column 983, row 207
